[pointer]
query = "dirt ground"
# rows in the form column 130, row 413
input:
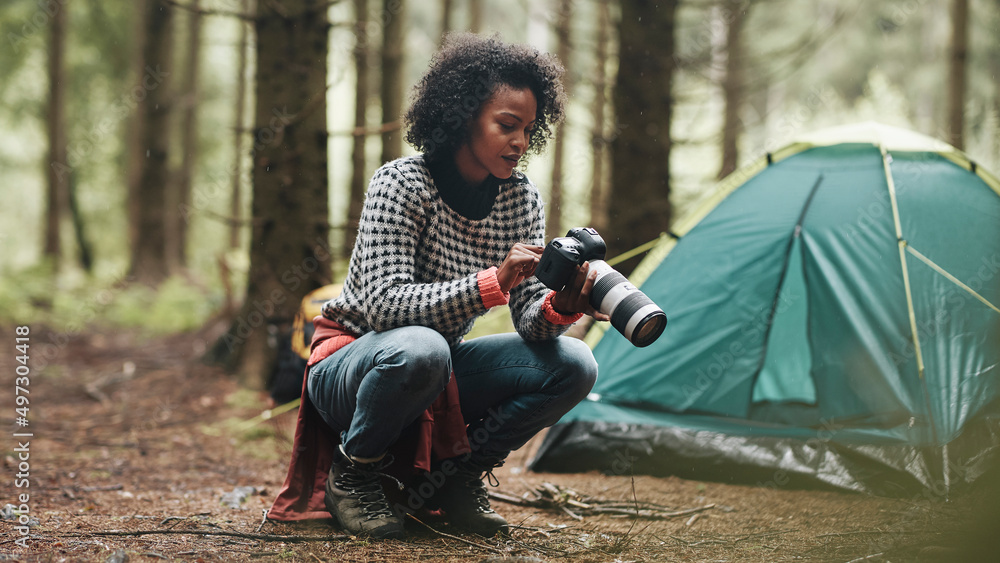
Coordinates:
column 135, row 443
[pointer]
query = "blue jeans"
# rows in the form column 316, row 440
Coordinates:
column 509, row 389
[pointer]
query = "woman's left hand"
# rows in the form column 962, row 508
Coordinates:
column 575, row 297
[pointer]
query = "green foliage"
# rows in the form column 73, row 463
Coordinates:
column 35, row 296
column 22, row 29
column 174, row 306
column 244, row 399
column 24, row 293
column 261, row 442
column 496, row 321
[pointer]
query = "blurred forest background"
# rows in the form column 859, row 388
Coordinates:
column 167, row 164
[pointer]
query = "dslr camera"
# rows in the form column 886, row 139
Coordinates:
column 632, row 313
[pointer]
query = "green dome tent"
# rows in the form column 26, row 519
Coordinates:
column 834, row 322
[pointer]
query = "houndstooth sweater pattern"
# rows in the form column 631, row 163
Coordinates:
column 418, row 262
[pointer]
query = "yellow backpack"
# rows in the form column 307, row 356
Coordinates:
column 302, row 327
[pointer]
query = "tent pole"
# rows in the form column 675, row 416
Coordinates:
column 902, row 244
column 951, row 278
column 945, row 466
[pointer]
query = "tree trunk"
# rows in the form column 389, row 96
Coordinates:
column 446, row 25
column 996, row 88
column 358, row 171
column 86, row 256
column 149, row 258
column 58, row 169
column 236, row 196
column 178, row 214
column 393, row 36
column 732, row 87
column 639, row 209
column 562, row 29
column 135, row 156
column 598, row 137
column 289, row 248
column 476, row 15
column 957, row 72
column 553, row 217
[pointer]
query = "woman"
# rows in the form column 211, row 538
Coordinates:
column 445, row 236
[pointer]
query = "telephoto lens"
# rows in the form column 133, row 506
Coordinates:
column 632, row 313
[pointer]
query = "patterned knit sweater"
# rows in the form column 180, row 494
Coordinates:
column 418, row 262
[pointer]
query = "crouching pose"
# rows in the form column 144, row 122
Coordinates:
column 444, row 236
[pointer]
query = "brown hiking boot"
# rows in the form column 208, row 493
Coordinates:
column 463, row 495
column 355, row 498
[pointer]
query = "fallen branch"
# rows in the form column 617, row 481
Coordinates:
column 763, row 534
column 261, row 537
column 95, row 389
column 653, row 514
column 718, row 541
column 866, row 558
column 511, row 499
column 68, row 491
column 117, row 487
column 178, row 519
column 571, row 514
column 859, row 532
column 568, row 501
column 449, row 536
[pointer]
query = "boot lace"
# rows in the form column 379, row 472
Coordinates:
column 362, row 481
column 474, row 483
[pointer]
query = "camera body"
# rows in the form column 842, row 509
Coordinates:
column 563, row 254
column 632, row 313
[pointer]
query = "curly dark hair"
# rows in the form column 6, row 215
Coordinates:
column 464, row 75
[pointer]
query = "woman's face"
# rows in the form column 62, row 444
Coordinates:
column 498, row 136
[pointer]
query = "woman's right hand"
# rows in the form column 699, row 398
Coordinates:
column 518, row 265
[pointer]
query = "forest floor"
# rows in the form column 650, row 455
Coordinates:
column 135, row 443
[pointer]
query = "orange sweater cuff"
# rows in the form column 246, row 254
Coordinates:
column 555, row 317
column 489, row 289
